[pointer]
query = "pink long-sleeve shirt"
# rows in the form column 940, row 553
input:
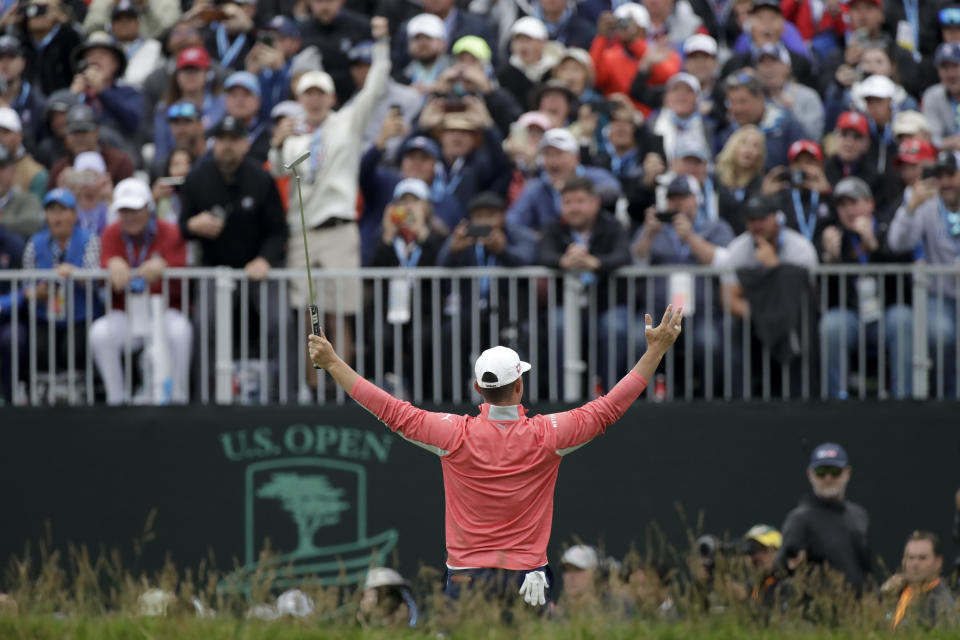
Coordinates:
column 499, row 468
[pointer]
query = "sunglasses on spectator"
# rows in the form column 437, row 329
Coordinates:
column 185, row 111
column 950, row 17
column 739, row 80
column 822, row 472
column 851, row 133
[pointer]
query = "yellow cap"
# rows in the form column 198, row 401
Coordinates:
column 765, row 535
column 475, row 46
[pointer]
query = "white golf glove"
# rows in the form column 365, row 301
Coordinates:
column 534, row 587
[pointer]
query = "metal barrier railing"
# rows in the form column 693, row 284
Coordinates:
column 240, row 341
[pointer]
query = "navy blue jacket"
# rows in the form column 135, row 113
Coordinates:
column 119, row 107
column 11, row 253
column 539, row 204
column 376, row 185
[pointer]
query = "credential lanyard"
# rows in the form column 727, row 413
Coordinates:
column 807, row 224
column 404, row 260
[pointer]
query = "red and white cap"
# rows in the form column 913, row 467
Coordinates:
column 853, row 120
column 805, row 146
column 503, row 365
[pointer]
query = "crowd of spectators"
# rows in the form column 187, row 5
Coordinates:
column 759, row 136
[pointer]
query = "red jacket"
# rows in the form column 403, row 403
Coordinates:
column 617, row 65
column 800, row 14
column 168, row 244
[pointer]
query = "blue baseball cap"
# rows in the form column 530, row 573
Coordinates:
column 60, row 196
column 284, row 25
column 361, row 52
column 828, row 454
column 948, row 52
column 243, row 79
column 421, row 143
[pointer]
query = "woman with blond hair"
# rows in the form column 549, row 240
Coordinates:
column 739, row 173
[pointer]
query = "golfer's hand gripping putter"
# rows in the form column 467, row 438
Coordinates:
column 312, row 308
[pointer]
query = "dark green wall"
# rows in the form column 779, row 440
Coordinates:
column 95, row 474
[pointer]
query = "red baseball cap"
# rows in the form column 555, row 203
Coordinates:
column 915, row 151
column 805, row 146
column 193, row 57
column 853, row 120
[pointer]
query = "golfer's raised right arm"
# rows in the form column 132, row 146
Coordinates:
column 578, row 426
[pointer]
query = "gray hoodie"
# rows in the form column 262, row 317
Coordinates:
column 926, row 225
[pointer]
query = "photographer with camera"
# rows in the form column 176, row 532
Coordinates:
column 802, row 189
column 229, row 32
column 859, row 236
column 621, row 50
column 270, row 60
column 49, row 40
column 485, row 239
column 930, row 217
column 677, row 235
column 154, row 16
column 100, row 62
column 770, row 588
column 851, row 158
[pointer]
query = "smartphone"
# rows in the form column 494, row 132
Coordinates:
column 930, row 172
column 666, row 216
column 478, row 230
column 171, row 181
column 797, row 177
column 266, row 37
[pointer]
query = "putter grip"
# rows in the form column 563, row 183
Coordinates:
column 314, row 322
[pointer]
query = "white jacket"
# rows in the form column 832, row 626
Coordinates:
column 329, row 176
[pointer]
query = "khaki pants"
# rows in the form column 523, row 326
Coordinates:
column 330, row 248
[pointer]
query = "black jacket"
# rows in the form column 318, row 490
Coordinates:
column 802, row 69
column 334, row 41
column 776, row 307
column 835, row 534
column 50, row 68
column 256, row 224
column 608, row 242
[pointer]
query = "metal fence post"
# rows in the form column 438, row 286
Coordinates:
column 573, row 365
column 223, row 334
column 921, row 356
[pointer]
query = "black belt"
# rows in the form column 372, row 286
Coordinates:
column 330, row 223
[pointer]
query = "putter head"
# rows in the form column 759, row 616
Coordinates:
column 293, row 165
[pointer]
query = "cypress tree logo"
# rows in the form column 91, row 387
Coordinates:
column 311, row 510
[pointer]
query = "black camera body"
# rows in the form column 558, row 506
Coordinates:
column 666, row 217
column 33, row 10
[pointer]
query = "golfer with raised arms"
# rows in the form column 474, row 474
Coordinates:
column 500, row 467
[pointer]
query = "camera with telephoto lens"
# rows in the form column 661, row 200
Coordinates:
column 709, row 547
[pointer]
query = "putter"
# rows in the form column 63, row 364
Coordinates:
column 312, row 307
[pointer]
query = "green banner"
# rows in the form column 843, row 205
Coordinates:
column 331, row 490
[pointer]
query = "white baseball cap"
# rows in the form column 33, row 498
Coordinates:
column 581, row 556
column 560, row 139
column 503, row 363
column 534, row 119
column 294, row 602
column 383, row 577
column 684, row 78
column 426, row 24
column 633, row 11
column 530, row 27
column 90, row 161
column 316, row 80
column 131, row 194
column 9, row 120
column 910, row 123
column 411, row 186
column 700, row 42
column 877, row 86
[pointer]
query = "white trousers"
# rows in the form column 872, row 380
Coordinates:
column 108, row 339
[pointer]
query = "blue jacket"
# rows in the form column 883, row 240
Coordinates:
column 376, row 185
column 275, row 88
column 539, row 204
column 11, row 253
column 82, row 251
column 120, row 108
column 780, row 130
